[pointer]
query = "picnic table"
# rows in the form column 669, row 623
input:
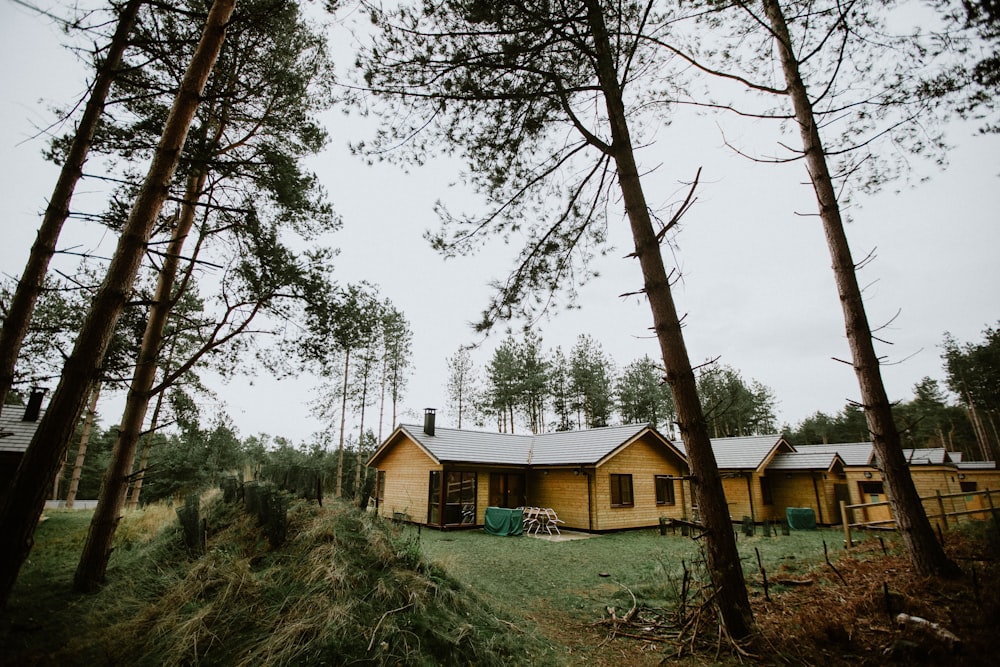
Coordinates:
column 541, row 518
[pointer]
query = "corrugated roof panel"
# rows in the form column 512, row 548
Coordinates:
column 582, row 447
column 18, row 434
column 743, row 452
column 560, row 448
column 927, row 456
column 853, row 453
column 802, row 461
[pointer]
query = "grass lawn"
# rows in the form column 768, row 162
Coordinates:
column 580, row 578
column 347, row 589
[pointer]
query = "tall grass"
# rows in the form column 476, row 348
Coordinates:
column 345, row 588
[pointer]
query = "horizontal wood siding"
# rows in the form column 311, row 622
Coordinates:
column 644, row 461
column 407, row 473
column 791, row 490
column 563, row 491
column 738, row 498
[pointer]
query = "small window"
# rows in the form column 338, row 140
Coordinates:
column 621, row 491
column 664, row 490
column 874, row 491
column 967, row 487
column 766, row 492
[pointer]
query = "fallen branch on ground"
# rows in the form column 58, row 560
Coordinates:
column 931, row 628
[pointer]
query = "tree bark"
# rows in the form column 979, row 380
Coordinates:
column 926, row 553
column 140, row 471
column 361, row 437
column 81, row 452
column 97, row 547
column 720, row 544
column 343, row 424
column 22, row 303
column 25, row 500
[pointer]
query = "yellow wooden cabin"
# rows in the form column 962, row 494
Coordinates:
column 596, row 480
column 742, row 463
column 808, row 480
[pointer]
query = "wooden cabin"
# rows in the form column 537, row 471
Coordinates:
column 742, row 463
column 808, row 480
column 596, row 480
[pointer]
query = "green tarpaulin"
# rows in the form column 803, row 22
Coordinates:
column 801, row 518
column 503, row 521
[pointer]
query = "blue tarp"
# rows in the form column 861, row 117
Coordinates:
column 503, row 521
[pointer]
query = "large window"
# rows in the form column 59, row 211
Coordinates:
column 451, row 498
column 621, row 491
column 664, row 490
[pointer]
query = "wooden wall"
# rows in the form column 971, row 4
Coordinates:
column 644, row 461
column 565, row 492
column 407, row 475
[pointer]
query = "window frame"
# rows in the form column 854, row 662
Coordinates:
column 619, row 482
column 666, row 483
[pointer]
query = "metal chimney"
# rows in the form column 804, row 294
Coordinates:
column 429, row 420
column 34, row 404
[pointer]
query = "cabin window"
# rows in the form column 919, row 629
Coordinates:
column 460, row 498
column 379, row 488
column 621, row 491
column 967, row 487
column 664, row 490
column 451, row 498
column 873, row 490
column 434, row 499
column 766, row 492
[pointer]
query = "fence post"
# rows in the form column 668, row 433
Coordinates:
column 944, row 516
column 847, row 525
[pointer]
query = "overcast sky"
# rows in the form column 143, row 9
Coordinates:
column 757, row 287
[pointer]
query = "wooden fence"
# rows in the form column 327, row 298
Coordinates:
column 977, row 505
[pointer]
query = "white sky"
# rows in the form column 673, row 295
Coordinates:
column 757, row 290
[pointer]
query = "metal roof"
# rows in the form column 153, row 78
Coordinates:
column 748, row 451
column 588, row 447
column 15, row 434
column 853, row 453
column 977, row 465
column 805, row 461
column 926, row 456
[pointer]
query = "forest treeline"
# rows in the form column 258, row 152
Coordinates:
column 523, row 386
column 199, row 128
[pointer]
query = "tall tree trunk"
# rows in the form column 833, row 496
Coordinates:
column 381, row 400
column 140, row 472
column 23, row 504
column 361, row 438
column 22, row 303
column 97, row 547
column 723, row 560
column 926, row 553
column 81, row 452
column 343, row 424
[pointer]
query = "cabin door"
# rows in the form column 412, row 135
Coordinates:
column 841, row 492
column 506, row 489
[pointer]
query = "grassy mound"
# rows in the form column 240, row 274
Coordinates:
column 344, row 588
